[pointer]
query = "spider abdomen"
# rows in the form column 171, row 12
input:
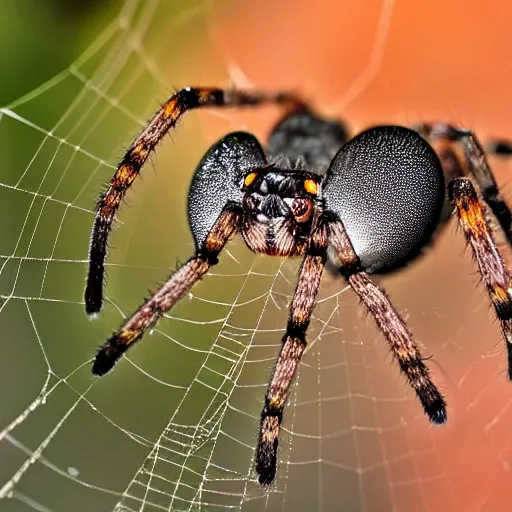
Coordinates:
column 305, row 136
column 387, row 187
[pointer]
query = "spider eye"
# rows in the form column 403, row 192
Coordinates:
column 250, row 179
column 311, row 186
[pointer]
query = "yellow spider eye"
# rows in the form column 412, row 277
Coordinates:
column 311, row 186
column 250, row 178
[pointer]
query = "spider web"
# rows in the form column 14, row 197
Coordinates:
column 174, row 426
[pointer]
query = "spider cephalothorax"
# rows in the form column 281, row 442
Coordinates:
column 364, row 206
column 279, row 206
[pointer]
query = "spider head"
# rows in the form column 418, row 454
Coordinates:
column 279, row 206
column 272, row 195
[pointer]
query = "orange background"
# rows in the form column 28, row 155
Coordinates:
column 439, row 61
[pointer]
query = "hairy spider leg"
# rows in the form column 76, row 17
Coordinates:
column 500, row 147
column 494, row 272
column 292, row 350
column 136, row 156
column 476, row 167
column 402, row 345
column 391, row 324
column 176, row 286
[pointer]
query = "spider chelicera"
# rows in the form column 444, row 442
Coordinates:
column 365, row 205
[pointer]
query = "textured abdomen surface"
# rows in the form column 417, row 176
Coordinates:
column 218, row 180
column 387, row 187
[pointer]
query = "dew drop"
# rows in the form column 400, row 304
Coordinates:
column 73, row 471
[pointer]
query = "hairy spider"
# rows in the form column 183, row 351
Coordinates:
column 365, row 205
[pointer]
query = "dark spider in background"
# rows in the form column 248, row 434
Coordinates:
column 365, row 205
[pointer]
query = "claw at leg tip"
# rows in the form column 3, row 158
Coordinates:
column 438, row 415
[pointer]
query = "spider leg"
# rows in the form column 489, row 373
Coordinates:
column 176, row 286
column 390, row 323
column 494, row 272
column 136, row 156
column 500, row 147
column 294, row 345
column 402, row 345
column 477, row 167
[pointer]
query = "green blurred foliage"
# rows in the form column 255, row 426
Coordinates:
column 40, row 38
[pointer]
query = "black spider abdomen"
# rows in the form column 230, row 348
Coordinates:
column 305, row 136
column 387, row 187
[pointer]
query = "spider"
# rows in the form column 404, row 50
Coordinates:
column 363, row 206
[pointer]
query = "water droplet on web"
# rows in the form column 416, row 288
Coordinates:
column 73, row 471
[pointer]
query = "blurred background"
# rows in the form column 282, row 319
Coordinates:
column 175, row 425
